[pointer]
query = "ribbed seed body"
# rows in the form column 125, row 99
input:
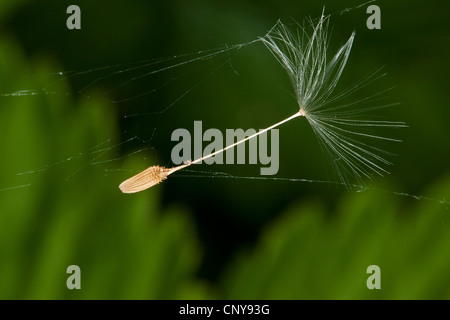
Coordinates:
column 145, row 179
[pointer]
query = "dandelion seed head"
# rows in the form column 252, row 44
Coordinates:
column 339, row 127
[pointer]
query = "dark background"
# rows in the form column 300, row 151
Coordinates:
column 252, row 91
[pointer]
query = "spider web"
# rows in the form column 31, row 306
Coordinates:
column 161, row 73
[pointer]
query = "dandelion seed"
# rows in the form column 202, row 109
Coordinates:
column 303, row 54
column 145, row 179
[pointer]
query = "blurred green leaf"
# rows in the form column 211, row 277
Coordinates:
column 65, row 210
column 59, row 205
column 305, row 256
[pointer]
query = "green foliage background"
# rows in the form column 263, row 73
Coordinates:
column 204, row 238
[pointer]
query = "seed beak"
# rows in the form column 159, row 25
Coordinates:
column 302, row 112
